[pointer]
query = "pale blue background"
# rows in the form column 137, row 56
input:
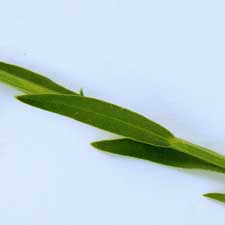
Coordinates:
column 162, row 58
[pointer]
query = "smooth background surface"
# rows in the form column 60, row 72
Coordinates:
column 164, row 59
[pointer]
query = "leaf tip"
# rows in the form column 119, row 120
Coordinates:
column 23, row 98
column 216, row 196
column 94, row 144
column 20, row 97
column 81, row 92
column 207, row 195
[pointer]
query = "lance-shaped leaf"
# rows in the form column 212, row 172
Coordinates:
column 120, row 121
column 28, row 81
column 216, row 196
column 165, row 156
column 103, row 115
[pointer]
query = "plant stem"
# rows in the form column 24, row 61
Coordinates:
column 198, row 151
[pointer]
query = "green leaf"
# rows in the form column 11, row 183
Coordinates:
column 120, row 121
column 216, row 196
column 198, row 152
column 165, row 156
column 28, row 81
column 103, row 115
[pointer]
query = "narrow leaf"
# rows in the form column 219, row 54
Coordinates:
column 28, row 81
column 103, row 115
column 165, row 156
column 216, row 196
column 120, row 121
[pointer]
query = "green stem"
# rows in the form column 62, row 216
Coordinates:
column 198, row 152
